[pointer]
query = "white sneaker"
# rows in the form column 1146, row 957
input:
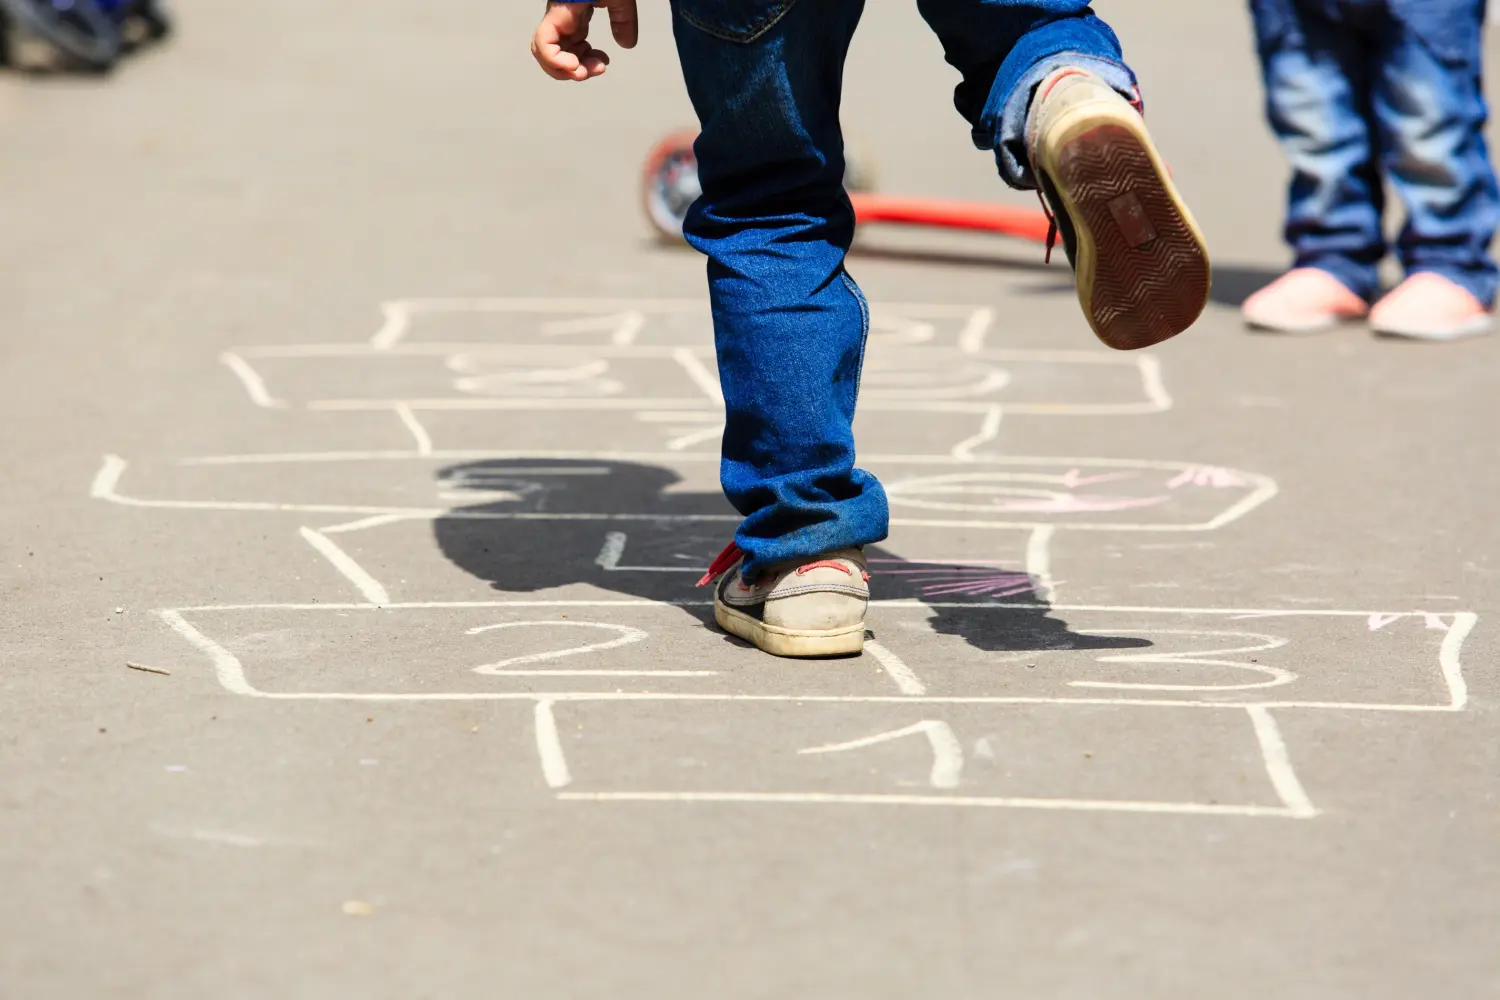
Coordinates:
column 813, row 607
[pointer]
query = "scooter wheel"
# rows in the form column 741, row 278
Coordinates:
column 669, row 184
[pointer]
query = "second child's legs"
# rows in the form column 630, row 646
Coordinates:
column 1430, row 105
column 1317, row 76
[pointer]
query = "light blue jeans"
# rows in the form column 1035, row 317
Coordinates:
column 765, row 77
column 1361, row 92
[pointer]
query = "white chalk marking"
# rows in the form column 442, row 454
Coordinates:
column 352, row 571
column 414, row 426
column 227, row 667
column 1039, row 562
column 947, row 752
column 971, row 337
column 397, row 320
column 818, row 798
column 231, row 674
column 614, row 548
column 988, row 431
column 907, row 682
column 549, row 747
column 1448, row 659
column 378, row 521
column 254, row 385
column 106, row 481
column 626, row 636
column 678, row 416
column 1279, row 764
column 696, row 437
column 1434, row 622
column 1151, row 381
column 699, row 373
column 224, row 837
column 1378, row 622
column 877, row 402
column 622, row 327
column 1207, row 658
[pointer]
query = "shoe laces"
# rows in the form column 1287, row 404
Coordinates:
column 1051, row 226
column 722, row 563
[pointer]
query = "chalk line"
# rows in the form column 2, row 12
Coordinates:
column 352, row 571
column 1279, row 764
column 1039, row 562
column 363, row 523
column 819, row 798
column 1151, row 381
column 627, row 635
column 988, row 431
column 1448, row 658
column 1207, row 658
column 971, row 337
column 622, row 326
column 907, row 682
column 397, row 318
column 947, row 752
column 227, row 667
column 696, row 437
column 414, row 426
column 254, row 385
column 549, row 747
column 699, row 373
column 614, row 548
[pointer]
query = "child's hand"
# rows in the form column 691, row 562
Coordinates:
column 561, row 44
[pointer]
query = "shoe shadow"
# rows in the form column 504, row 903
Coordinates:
column 537, row 525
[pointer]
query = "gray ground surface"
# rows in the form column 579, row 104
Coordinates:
column 1258, row 518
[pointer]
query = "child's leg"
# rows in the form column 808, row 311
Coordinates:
column 1045, row 87
column 775, row 223
column 1318, row 84
column 1432, row 113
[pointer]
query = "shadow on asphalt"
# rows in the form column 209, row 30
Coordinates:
column 636, row 552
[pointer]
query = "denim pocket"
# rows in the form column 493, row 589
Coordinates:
column 1451, row 29
column 734, row 20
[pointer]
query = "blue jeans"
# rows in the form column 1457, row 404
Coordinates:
column 765, row 77
column 1365, row 91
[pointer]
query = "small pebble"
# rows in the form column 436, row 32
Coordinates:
column 358, row 908
column 119, row 611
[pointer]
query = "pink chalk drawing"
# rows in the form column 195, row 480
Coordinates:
column 1429, row 620
column 1074, row 478
column 1019, row 493
column 1206, row 475
column 943, row 580
column 1072, row 503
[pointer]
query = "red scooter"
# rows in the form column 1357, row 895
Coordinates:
column 669, row 185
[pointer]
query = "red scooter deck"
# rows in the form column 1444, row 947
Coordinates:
column 669, row 185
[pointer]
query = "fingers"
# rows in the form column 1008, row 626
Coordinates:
column 560, row 45
column 624, row 22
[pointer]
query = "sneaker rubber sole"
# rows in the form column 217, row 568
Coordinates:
column 1142, row 266
column 798, row 643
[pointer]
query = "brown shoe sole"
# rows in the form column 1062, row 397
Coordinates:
column 1143, row 270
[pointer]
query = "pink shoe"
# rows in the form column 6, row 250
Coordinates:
column 1428, row 306
column 1304, row 300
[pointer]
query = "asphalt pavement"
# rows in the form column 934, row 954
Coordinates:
column 348, row 394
